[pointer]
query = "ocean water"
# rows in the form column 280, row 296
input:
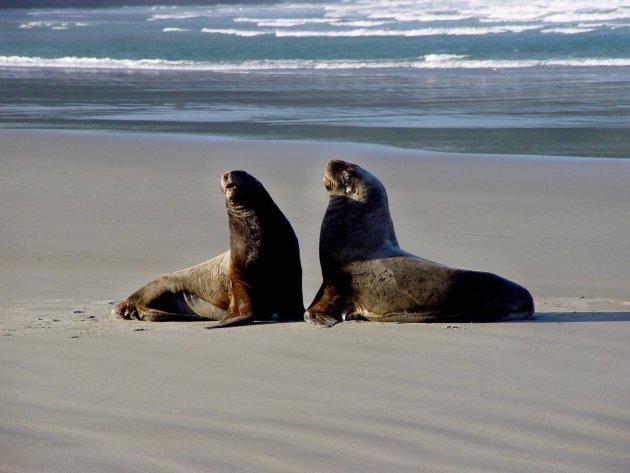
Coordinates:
column 525, row 77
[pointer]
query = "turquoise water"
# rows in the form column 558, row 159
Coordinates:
column 467, row 76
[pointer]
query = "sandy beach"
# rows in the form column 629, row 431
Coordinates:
column 87, row 218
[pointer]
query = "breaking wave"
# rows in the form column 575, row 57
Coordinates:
column 431, row 61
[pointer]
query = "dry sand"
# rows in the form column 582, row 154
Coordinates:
column 88, row 218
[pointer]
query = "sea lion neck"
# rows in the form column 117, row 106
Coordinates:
column 239, row 211
column 348, row 220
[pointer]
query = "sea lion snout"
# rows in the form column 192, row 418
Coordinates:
column 234, row 182
column 225, row 179
column 228, row 186
column 230, row 179
column 329, row 174
column 327, row 183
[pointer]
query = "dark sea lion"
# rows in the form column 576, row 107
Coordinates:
column 368, row 277
column 258, row 278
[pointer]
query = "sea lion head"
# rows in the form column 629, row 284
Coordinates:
column 243, row 192
column 350, row 181
column 357, row 223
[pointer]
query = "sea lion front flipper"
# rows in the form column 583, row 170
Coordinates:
column 240, row 311
column 325, row 310
column 321, row 320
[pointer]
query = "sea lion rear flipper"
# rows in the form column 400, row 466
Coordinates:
column 134, row 308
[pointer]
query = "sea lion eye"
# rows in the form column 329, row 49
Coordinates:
column 346, row 180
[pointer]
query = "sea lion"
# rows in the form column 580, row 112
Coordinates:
column 258, row 278
column 367, row 276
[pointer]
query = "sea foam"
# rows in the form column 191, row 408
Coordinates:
column 430, row 61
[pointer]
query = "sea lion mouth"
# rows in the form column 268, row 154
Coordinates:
column 242, row 192
column 229, row 187
column 227, row 181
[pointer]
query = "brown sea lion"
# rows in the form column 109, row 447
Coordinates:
column 258, row 278
column 368, row 277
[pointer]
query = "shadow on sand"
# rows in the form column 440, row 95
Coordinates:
column 560, row 317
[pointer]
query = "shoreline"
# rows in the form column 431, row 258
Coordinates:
column 576, row 142
column 220, row 138
column 90, row 217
